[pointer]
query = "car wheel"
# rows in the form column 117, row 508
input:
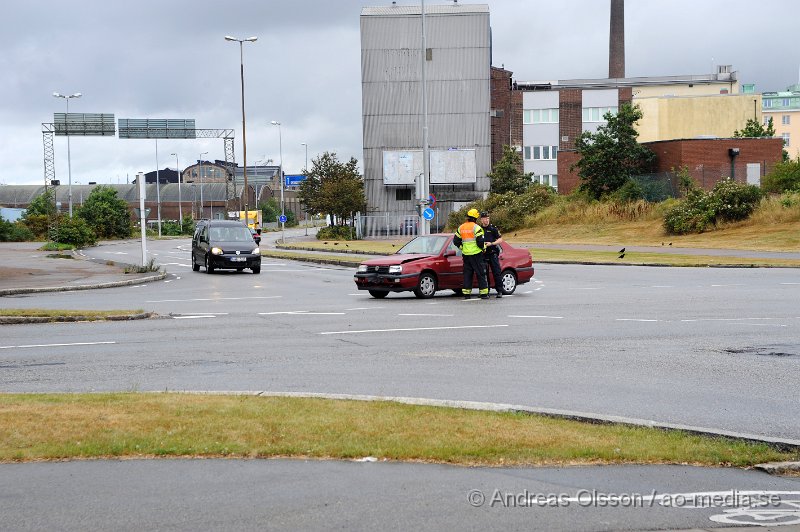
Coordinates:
column 209, row 267
column 426, row 287
column 508, row 281
column 378, row 294
column 257, row 270
column 195, row 266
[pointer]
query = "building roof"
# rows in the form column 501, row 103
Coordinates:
column 17, row 195
column 405, row 11
column 610, row 83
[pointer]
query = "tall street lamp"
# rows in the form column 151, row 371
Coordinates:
column 200, row 171
column 305, row 173
column 244, row 134
column 180, row 201
column 69, row 161
column 280, row 176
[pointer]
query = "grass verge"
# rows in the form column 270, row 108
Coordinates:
column 65, row 426
column 88, row 315
column 55, row 246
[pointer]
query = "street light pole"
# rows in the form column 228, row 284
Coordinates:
column 200, row 171
column 158, row 192
column 69, row 156
column 305, row 173
column 280, row 175
column 244, row 134
column 180, row 201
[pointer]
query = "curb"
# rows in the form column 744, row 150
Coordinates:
column 11, row 320
column 778, row 468
column 312, row 258
column 777, row 443
column 70, row 288
column 344, row 251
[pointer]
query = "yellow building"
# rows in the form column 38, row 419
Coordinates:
column 784, row 109
column 688, row 117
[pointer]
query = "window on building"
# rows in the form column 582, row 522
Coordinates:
column 540, row 116
column 766, row 119
column 785, row 102
column 546, row 179
column 402, row 194
column 597, row 114
column 786, row 120
column 540, row 153
column 786, row 139
column 767, row 102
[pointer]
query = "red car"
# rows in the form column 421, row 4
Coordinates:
column 431, row 263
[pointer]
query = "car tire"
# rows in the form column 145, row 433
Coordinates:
column 257, row 270
column 378, row 294
column 209, row 267
column 195, row 266
column 508, row 281
column 426, row 286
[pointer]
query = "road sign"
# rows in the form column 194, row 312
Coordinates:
column 428, row 214
column 432, row 201
column 282, row 218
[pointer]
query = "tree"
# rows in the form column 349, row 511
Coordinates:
column 106, row 214
column 611, row 156
column 333, row 187
column 506, row 175
column 755, row 129
column 42, row 205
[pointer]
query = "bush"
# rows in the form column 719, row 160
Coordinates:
column 630, row 191
column 508, row 210
column 785, row 177
column 14, row 232
column 701, row 211
column 73, row 231
column 336, row 232
column 38, row 224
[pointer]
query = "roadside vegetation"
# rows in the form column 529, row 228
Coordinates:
column 80, row 426
column 67, row 315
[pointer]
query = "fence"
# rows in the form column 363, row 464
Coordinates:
column 393, row 225
column 662, row 185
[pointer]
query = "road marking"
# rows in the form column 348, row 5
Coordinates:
column 362, row 308
column 303, row 313
column 204, row 314
column 733, row 319
column 176, row 264
column 790, row 283
column 586, row 288
column 724, row 285
column 544, row 317
column 634, row 319
column 415, row 329
column 357, row 294
column 443, row 315
column 210, row 299
column 661, row 286
column 192, row 317
column 53, row 345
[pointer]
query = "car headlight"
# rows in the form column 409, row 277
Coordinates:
column 256, row 251
column 396, row 269
column 216, row 251
column 362, row 268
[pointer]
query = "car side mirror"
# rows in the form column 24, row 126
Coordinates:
column 449, row 253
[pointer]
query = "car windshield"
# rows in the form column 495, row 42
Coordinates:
column 427, row 245
column 230, row 234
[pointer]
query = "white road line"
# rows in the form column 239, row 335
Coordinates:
column 544, row 317
column 192, row 317
column 357, row 294
column 634, row 319
column 416, row 329
column 53, row 345
column 442, row 315
column 733, row 319
column 204, row 314
column 362, row 308
column 210, row 299
column 303, row 313
column 586, row 288
column 790, row 283
column 661, row 286
column 724, row 285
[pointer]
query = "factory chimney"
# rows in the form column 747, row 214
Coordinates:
column 616, row 45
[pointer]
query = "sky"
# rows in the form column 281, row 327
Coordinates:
column 169, row 59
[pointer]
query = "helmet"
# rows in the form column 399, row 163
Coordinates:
column 473, row 213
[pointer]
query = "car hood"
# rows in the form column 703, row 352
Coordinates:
column 235, row 246
column 396, row 259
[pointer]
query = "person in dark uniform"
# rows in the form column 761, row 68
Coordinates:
column 492, row 239
column 469, row 238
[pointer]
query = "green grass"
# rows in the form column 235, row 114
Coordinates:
column 55, row 246
column 88, row 315
column 65, row 426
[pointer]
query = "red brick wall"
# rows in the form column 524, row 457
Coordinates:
column 500, row 103
column 567, row 179
column 570, row 115
column 708, row 160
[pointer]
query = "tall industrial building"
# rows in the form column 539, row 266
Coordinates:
column 458, row 62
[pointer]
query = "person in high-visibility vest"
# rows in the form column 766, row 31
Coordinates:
column 469, row 237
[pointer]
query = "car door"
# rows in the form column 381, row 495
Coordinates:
column 452, row 275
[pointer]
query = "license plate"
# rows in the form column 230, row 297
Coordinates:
column 238, row 259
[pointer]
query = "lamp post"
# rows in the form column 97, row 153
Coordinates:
column 180, row 201
column 280, row 175
column 244, row 134
column 69, row 158
column 200, row 172
column 305, row 173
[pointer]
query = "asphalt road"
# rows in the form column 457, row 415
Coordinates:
column 716, row 348
column 707, row 347
column 329, row 495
